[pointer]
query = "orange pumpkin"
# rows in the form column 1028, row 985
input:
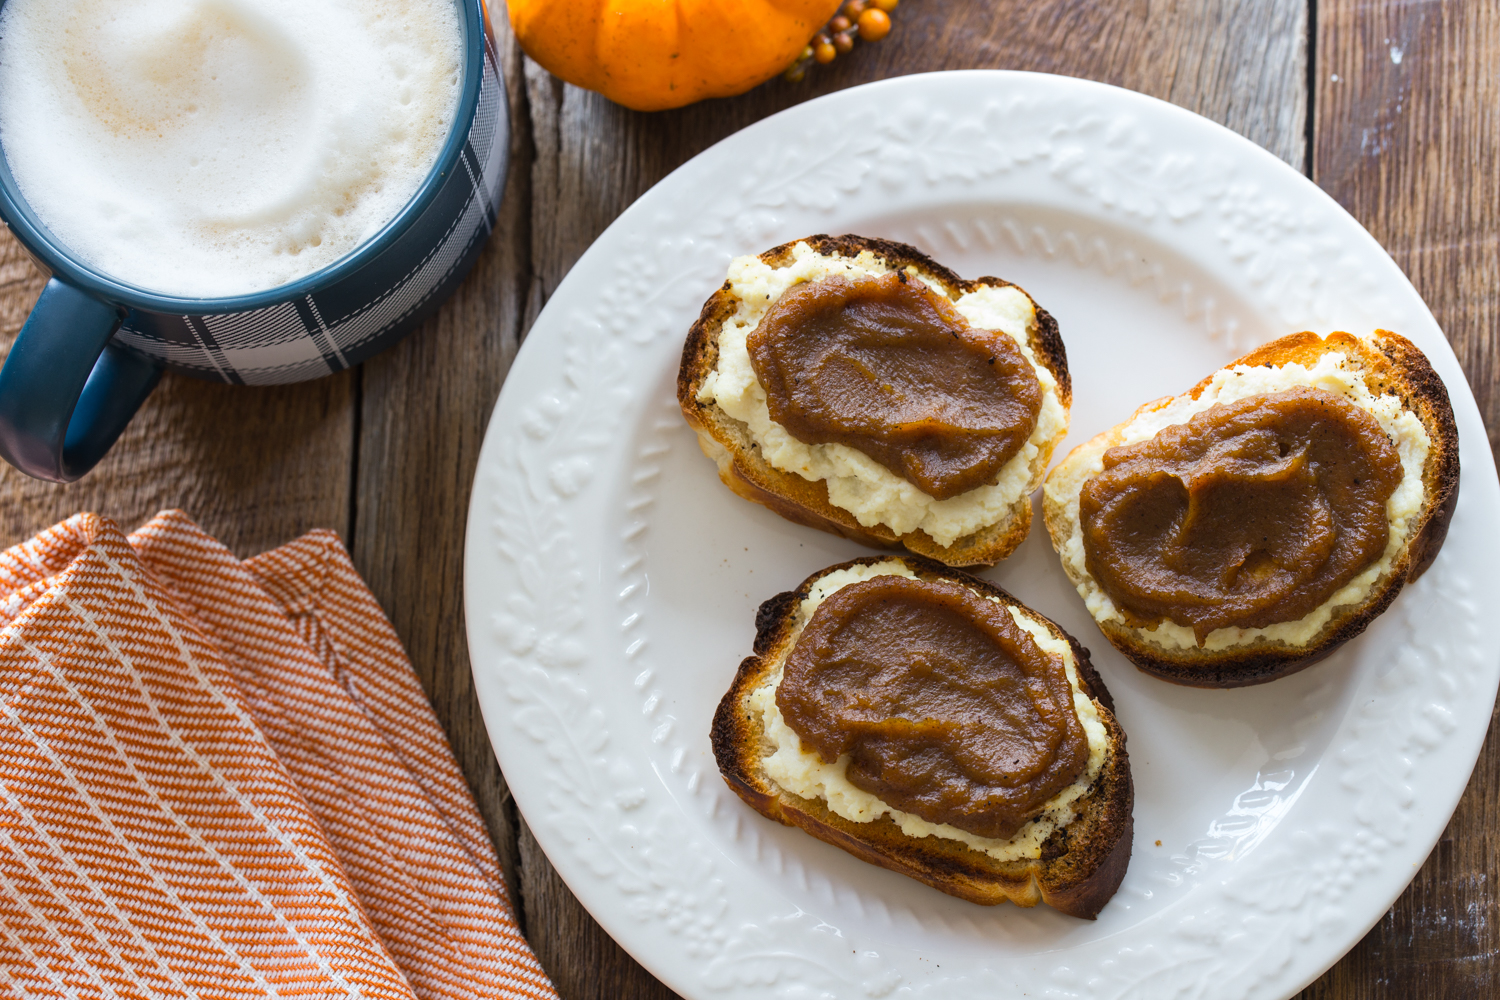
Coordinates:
column 656, row 54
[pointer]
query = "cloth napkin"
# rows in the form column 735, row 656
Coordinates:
column 222, row 779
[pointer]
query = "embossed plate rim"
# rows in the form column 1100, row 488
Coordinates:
column 530, row 591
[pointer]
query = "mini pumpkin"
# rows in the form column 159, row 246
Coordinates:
column 657, row 54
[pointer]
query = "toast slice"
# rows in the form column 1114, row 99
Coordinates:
column 1076, row 869
column 743, row 468
column 1390, row 367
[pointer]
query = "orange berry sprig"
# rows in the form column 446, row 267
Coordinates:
column 868, row 20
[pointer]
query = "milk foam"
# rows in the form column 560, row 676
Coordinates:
column 219, row 147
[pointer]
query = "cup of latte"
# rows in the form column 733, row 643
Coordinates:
column 248, row 191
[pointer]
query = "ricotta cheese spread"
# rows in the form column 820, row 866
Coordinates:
column 856, row 482
column 1333, row 372
column 804, row 773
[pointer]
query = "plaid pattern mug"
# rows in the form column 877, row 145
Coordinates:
column 93, row 348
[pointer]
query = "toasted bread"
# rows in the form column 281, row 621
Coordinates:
column 1080, row 864
column 1389, row 366
column 742, row 467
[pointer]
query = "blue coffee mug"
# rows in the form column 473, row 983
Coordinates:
column 93, row 348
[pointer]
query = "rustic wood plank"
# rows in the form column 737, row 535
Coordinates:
column 254, row 466
column 1240, row 62
column 423, row 408
column 1407, row 137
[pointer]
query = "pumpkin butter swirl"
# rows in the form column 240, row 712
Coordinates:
column 944, row 706
column 1251, row 513
column 885, row 365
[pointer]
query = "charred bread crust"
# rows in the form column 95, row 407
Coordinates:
column 1082, row 864
column 805, row 502
column 1391, row 363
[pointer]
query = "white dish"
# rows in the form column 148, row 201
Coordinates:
column 612, row 581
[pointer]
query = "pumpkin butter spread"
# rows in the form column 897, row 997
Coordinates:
column 833, row 364
column 1251, row 513
column 954, row 714
column 887, row 366
column 1281, row 523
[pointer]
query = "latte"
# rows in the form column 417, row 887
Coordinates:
column 219, row 147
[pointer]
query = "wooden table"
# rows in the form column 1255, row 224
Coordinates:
column 1393, row 107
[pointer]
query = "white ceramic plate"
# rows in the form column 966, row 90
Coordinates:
column 612, row 582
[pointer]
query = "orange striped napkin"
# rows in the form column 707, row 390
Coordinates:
column 221, row 779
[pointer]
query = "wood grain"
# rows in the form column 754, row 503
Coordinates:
column 1407, row 138
column 1240, row 62
column 423, row 407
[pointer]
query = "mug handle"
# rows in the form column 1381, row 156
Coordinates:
column 66, row 391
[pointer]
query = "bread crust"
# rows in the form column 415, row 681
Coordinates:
column 727, row 441
column 1391, row 364
column 1082, row 864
